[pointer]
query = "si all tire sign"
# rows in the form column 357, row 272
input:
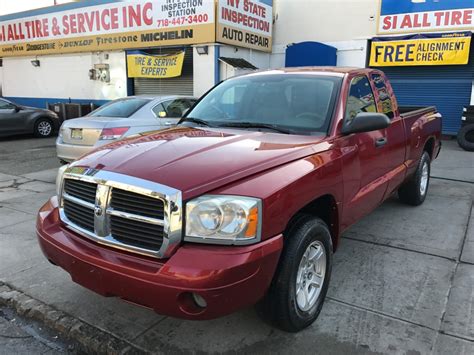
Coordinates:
column 402, row 16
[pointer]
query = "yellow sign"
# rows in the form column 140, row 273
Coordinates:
column 424, row 51
column 155, row 66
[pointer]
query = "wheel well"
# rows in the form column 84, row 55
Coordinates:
column 43, row 117
column 324, row 207
column 37, row 119
column 429, row 147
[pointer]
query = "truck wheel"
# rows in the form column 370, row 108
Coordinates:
column 466, row 137
column 301, row 281
column 43, row 128
column 414, row 191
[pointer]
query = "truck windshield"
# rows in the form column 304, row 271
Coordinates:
column 291, row 103
column 122, row 108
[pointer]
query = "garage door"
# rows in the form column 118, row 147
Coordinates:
column 446, row 87
column 182, row 85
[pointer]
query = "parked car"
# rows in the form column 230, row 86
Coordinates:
column 246, row 199
column 18, row 119
column 118, row 119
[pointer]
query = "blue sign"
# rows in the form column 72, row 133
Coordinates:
column 393, row 7
column 414, row 16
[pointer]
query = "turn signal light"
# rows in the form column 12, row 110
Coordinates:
column 113, row 133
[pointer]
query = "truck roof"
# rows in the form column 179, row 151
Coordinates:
column 336, row 71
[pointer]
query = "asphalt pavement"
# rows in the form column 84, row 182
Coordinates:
column 25, row 154
column 403, row 277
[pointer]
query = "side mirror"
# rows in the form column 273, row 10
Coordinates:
column 17, row 108
column 366, row 122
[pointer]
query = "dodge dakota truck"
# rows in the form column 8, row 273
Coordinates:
column 245, row 200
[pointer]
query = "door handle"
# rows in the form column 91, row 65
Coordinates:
column 381, row 142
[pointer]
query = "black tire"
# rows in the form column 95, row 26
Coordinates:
column 44, row 128
column 280, row 305
column 466, row 137
column 411, row 192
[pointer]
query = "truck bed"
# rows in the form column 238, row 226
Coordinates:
column 406, row 111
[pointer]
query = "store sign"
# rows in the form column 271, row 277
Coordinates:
column 398, row 16
column 444, row 49
column 109, row 26
column 245, row 23
column 154, row 66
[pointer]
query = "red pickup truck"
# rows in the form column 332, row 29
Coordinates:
column 245, row 200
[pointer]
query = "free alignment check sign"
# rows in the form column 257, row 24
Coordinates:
column 446, row 49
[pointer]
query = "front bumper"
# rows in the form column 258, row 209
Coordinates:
column 228, row 278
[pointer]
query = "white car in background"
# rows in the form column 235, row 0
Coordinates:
column 119, row 119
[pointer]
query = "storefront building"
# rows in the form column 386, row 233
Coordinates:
column 424, row 46
column 83, row 50
column 436, row 65
column 96, row 51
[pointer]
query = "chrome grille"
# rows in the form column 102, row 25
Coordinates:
column 80, row 215
column 122, row 211
column 130, row 202
column 80, row 189
column 139, row 234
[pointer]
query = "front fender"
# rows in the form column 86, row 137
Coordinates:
column 286, row 189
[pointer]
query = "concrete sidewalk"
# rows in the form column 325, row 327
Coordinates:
column 403, row 282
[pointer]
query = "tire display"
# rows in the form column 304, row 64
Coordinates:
column 466, row 137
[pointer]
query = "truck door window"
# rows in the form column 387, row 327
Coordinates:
column 360, row 99
column 385, row 100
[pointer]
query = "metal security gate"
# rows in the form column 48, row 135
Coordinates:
column 446, row 87
column 182, row 85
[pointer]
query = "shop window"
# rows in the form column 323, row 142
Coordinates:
column 385, row 100
column 361, row 98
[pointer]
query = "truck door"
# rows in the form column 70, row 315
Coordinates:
column 364, row 163
column 396, row 140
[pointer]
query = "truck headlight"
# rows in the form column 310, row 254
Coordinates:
column 60, row 179
column 223, row 219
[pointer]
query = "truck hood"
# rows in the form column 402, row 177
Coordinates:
column 197, row 161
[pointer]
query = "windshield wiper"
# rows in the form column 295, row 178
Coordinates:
column 256, row 125
column 196, row 120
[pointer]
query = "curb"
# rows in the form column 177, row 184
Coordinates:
column 89, row 339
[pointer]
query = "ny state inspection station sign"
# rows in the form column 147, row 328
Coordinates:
column 413, row 16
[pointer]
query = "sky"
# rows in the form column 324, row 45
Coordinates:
column 12, row 6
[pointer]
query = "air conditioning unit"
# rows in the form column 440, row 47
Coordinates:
column 100, row 72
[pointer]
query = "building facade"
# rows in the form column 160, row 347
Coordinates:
column 80, row 51
column 424, row 46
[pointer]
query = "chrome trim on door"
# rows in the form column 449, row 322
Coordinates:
column 106, row 181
